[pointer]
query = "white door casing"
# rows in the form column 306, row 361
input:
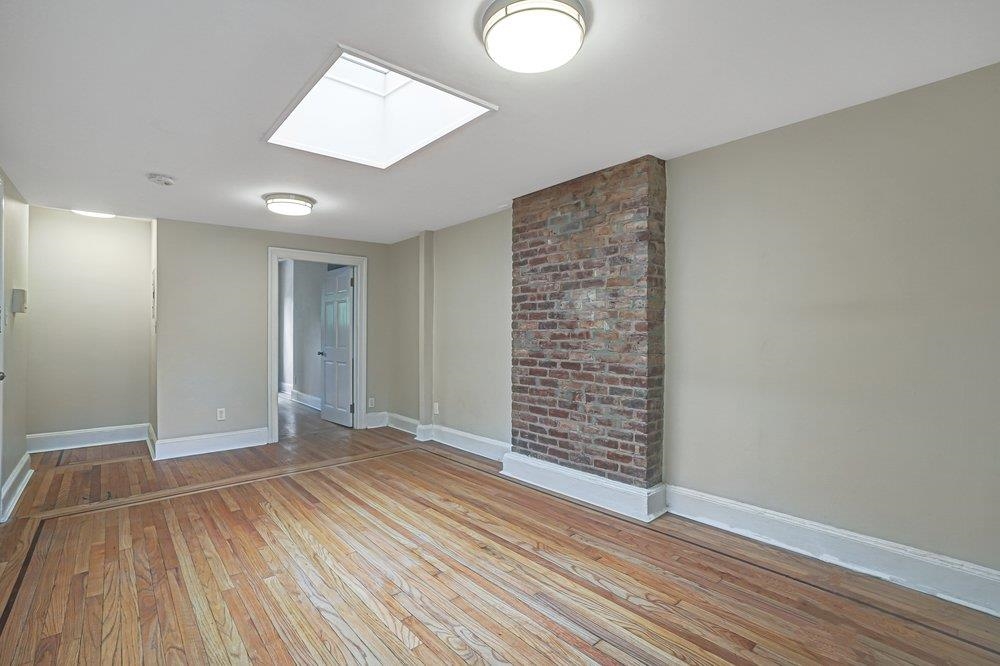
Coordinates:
column 270, row 388
column 338, row 346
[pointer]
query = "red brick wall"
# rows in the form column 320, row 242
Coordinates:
column 589, row 264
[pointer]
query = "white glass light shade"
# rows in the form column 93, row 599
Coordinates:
column 531, row 36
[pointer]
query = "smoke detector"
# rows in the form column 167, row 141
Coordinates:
column 160, row 179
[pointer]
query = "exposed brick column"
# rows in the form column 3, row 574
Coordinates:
column 588, row 306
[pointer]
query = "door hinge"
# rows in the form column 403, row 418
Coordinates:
column 352, row 282
column 352, row 408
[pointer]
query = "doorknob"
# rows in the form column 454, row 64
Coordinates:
column 319, row 353
column 3, row 375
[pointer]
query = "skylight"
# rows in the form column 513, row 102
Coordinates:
column 366, row 111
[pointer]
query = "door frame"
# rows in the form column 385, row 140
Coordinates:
column 360, row 264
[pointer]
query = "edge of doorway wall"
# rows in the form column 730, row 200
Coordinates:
column 360, row 264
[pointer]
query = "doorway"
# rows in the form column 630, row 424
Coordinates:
column 316, row 336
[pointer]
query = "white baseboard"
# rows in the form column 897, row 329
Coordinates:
column 946, row 577
column 75, row 439
column 313, row 401
column 14, row 486
column 493, row 449
column 643, row 504
column 404, row 423
column 178, row 447
column 151, row 440
column 377, row 419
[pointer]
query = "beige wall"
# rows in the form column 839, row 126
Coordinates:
column 308, row 301
column 151, row 282
column 88, row 318
column 300, row 294
column 472, row 329
column 404, row 303
column 16, row 336
column 834, row 316
column 286, row 326
column 212, row 336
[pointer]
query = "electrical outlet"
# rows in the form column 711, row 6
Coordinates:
column 220, row 414
column 437, row 408
column 371, row 402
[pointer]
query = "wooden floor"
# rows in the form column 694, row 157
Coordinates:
column 339, row 546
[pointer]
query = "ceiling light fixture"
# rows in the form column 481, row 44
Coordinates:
column 284, row 203
column 531, row 36
column 90, row 213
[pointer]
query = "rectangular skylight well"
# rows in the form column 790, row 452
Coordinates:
column 366, row 111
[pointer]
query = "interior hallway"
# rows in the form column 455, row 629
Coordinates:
column 346, row 545
column 296, row 419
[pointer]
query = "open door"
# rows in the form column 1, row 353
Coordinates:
column 338, row 347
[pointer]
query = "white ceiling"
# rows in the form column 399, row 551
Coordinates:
column 96, row 93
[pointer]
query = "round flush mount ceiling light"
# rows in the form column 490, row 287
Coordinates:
column 531, row 36
column 284, row 203
column 90, row 213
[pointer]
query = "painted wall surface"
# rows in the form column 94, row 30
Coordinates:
column 833, row 319
column 472, row 326
column 307, row 340
column 404, row 296
column 286, row 327
column 152, row 325
column 16, row 333
column 89, row 323
column 212, row 338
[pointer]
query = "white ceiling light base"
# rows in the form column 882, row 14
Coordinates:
column 284, row 203
column 531, row 36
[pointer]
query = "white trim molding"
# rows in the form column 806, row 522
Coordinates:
column 643, row 504
column 312, row 401
column 14, row 486
column 151, row 441
column 75, row 439
column 404, row 423
column 494, row 449
column 942, row 576
column 377, row 420
column 276, row 254
column 178, row 447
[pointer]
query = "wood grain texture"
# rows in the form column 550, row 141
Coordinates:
column 365, row 547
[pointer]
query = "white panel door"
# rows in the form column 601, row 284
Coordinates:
column 338, row 347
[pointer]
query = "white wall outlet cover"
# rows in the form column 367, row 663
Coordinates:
column 437, row 408
column 371, row 402
column 220, row 414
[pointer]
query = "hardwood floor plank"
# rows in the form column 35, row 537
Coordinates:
column 362, row 546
